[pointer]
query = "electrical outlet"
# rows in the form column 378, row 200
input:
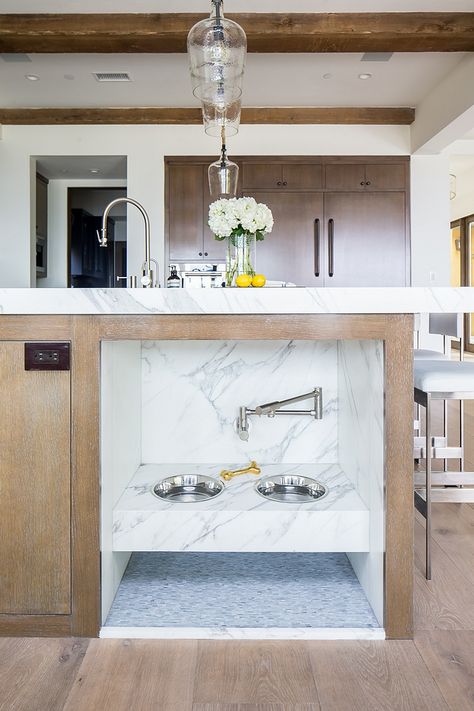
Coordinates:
column 47, row 356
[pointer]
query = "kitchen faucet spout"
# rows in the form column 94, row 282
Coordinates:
column 148, row 277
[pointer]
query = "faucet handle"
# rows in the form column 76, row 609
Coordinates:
column 102, row 237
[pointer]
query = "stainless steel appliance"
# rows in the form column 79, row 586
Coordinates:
column 201, row 276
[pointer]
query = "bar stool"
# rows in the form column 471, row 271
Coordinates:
column 449, row 326
column 440, row 380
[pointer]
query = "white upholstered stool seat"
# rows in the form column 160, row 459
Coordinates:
column 425, row 354
column 444, row 376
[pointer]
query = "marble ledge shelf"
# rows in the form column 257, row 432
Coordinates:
column 299, row 300
column 239, row 520
column 257, row 633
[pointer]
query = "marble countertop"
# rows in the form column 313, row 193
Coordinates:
column 240, row 519
column 299, row 300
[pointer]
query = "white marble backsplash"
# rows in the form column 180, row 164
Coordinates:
column 192, row 391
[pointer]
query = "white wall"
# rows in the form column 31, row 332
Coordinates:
column 463, row 203
column 57, row 228
column 145, row 148
column 430, row 220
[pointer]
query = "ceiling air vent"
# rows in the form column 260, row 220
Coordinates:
column 111, row 76
column 377, row 57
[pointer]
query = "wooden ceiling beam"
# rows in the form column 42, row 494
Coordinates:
column 186, row 116
column 266, row 32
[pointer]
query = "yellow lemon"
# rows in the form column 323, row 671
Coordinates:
column 243, row 280
column 259, row 280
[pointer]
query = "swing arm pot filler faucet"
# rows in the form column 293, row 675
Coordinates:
column 274, row 408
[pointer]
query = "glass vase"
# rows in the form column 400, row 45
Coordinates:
column 241, row 257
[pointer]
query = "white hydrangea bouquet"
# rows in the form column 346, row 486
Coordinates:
column 243, row 222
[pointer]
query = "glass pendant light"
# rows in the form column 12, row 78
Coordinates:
column 221, row 116
column 216, row 51
column 223, row 175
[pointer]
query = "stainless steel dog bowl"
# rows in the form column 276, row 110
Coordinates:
column 188, row 488
column 291, row 489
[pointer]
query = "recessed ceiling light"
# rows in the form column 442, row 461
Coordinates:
column 365, row 76
column 327, row 76
column 32, row 77
column 94, row 170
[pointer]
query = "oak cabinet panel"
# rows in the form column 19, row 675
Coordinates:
column 186, row 211
column 190, row 238
column 345, row 176
column 290, row 252
column 365, row 177
column 366, row 235
column 35, row 489
column 386, row 176
column 289, row 176
column 261, row 176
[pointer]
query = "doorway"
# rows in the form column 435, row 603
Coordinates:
column 89, row 265
column 462, row 267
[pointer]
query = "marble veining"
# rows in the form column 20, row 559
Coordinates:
column 239, row 520
column 216, row 590
column 187, row 383
column 300, row 300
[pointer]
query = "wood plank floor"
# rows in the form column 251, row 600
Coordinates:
column 434, row 672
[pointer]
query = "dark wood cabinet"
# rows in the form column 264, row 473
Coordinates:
column 290, row 251
column 189, row 237
column 338, row 221
column 365, row 177
column 365, row 239
column 289, row 176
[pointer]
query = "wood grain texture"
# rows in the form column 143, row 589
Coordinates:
column 85, row 476
column 35, row 328
column 453, row 530
column 403, row 116
column 35, row 625
column 35, row 487
column 373, row 676
column 266, row 32
column 450, row 659
column 249, row 673
column 134, row 675
column 398, row 376
column 256, row 707
column 38, row 674
column 446, row 602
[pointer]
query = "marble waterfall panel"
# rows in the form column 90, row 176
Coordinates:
column 192, row 390
column 361, row 451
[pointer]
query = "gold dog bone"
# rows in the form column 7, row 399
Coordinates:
column 228, row 474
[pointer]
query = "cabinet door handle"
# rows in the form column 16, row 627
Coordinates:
column 285, row 183
column 331, row 247
column 362, row 182
column 206, row 254
column 200, row 254
column 279, row 182
column 316, row 247
column 368, row 182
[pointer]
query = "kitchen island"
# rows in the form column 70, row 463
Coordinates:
column 155, row 384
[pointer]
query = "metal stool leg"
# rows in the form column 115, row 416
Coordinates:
column 445, row 430
column 428, row 486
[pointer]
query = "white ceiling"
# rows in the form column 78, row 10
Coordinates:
column 80, row 167
column 92, row 6
column 271, row 80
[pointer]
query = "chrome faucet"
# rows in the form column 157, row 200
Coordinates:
column 274, row 408
column 147, row 278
